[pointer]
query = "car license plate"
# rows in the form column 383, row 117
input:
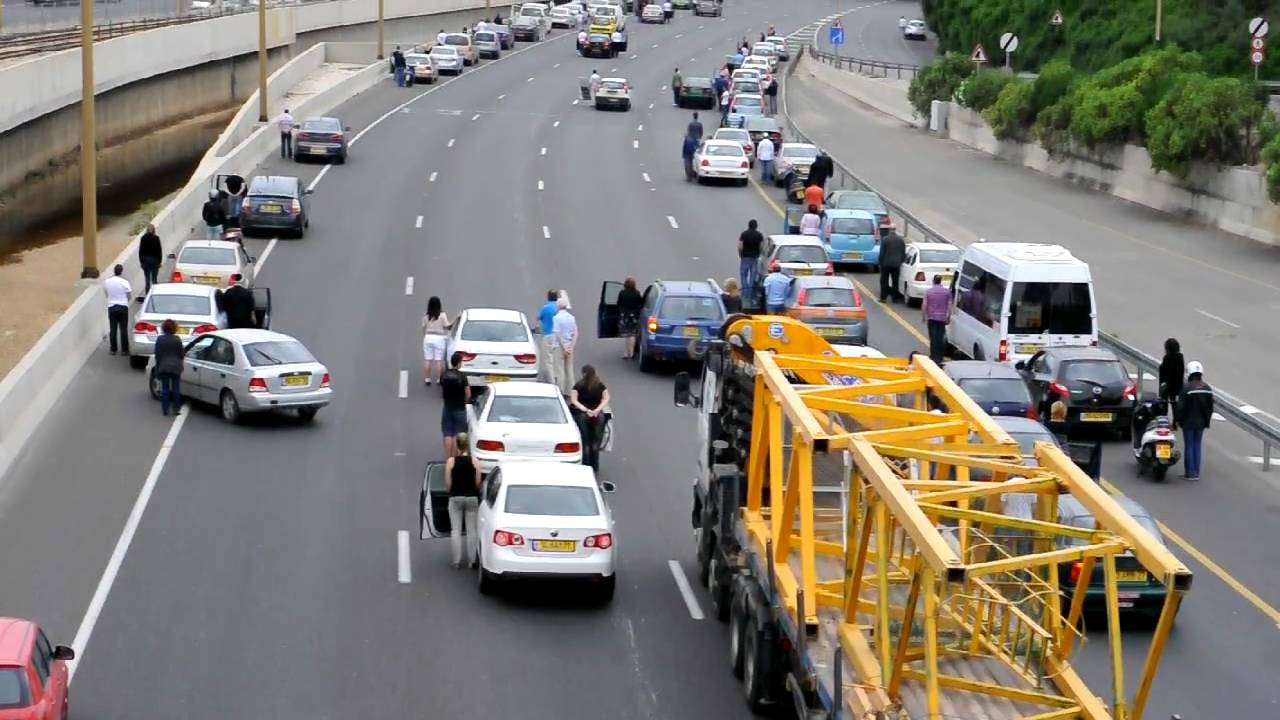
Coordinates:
column 554, row 545
column 317, row 150
column 185, row 329
column 830, row 331
column 804, row 272
column 1132, row 576
column 297, row 380
column 1024, row 349
column 852, row 256
column 691, row 332
column 208, row 280
column 1096, row 417
column 270, row 209
column 1163, row 451
column 495, row 378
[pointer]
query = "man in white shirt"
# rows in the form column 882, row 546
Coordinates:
column 764, row 155
column 286, row 123
column 118, row 290
column 565, row 332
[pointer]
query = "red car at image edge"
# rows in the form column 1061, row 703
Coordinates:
column 33, row 673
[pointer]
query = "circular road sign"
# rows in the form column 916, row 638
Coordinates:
column 1256, row 57
column 1258, row 27
column 1008, row 42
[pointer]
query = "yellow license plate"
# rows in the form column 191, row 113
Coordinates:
column 830, row 331
column 495, row 378
column 269, row 209
column 554, row 545
column 1164, row 452
column 691, row 332
column 1025, row 349
column 853, row 256
column 297, row 381
column 208, row 280
column 185, row 330
column 804, row 272
column 1131, row 576
column 1096, row 417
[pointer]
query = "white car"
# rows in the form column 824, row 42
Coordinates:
column 758, row 63
column 794, row 157
column 614, row 92
column 780, row 47
column 543, row 521
column 740, row 136
column 565, row 16
column 447, row 58
column 195, row 308
column 924, row 260
column 767, row 51
column 212, row 262
column 496, row 346
column 462, row 41
column 528, row 421
column 721, row 159
column 746, row 74
column 915, row 30
column 653, row 13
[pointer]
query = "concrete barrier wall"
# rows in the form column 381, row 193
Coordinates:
column 278, row 85
column 29, row 390
column 884, row 94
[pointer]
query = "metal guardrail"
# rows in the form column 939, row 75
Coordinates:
column 875, row 68
column 1259, row 424
column 40, row 42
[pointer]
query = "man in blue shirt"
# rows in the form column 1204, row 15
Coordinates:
column 776, row 288
column 546, row 321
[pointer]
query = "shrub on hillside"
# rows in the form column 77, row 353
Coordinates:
column 980, row 90
column 1202, row 118
column 1055, row 80
column 1111, row 105
column 1012, row 112
column 938, row 80
column 1271, row 158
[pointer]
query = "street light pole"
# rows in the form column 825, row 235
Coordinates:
column 262, row 60
column 381, row 47
column 1159, row 18
column 88, row 147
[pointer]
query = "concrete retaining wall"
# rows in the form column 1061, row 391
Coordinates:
column 884, row 94
column 278, row 85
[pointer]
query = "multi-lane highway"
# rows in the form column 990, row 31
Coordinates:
column 871, row 33
column 259, row 572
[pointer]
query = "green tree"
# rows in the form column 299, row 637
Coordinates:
column 1111, row 105
column 938, row 80
column 1012, row 112
column 1271, row 158
column 980, row 90
column 1202, row 118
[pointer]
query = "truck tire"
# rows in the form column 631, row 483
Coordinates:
column 718, row 584
column 706, row 544
column 756, row 647
column 737, row 622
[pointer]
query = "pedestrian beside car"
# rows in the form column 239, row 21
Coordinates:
column 589, row 397
column 668, row 11
column 462, row 482
column 595, row 84
column 813, row 195
column 811, row 221
column 547, row 324
column 435, row 340
column 456, row 393
column 237, row 303
column 630, row 303
column 765, row 156
column 214, row 215
column 169, row 354
column 234, row 200
column 771, row 94
column 286, row 124
column 936, row 309
column 689, row 149
column 565, row 333
column 777, row 285
column 821, row 170
column 440, row 37
column 731, row 297
column 150, row 256
column 677, row 82
column 750, row 243
column 118, row 291
column 1195, row 411
column 893, row 251
column 398, row 64
column 1173, row 371
column 694, row 130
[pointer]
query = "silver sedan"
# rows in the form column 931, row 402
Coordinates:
column 195, row 308
column 251, row 371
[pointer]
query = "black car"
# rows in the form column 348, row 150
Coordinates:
column 598, row 45
column 698, row 92
column 275, row 203
column 759, row 126
column 997, row 388
column 1092, row 383
column 708, row 8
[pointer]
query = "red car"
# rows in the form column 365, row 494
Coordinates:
column 33, row 673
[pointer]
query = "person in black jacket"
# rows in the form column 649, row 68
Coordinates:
column 630, row 303
column 238, row 303
column 214, row 215
column 1173, row 369
column 821, row 170
column 168, row 368
column 893, row 250
column 150, row 256
column 1195, row 411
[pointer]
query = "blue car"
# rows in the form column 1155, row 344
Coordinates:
column 997, row 388
column 678, row 320
column 851, row 237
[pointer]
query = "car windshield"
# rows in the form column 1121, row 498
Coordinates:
column 679, row 309
column 613, row 85
column 859, row 201
column 999, row 390
column 516, row 409
column 801, row 254
column 494, row 331
column 442, row 50
column 852, row 226
column 321, row 125
column 739, row 136
column 457, row 40
column 832, row 297
column 274, row 186
column 13, row 688
column 1094, row 372
column 551, row 500
column 485, row 37
column 207, row 256
column 949, row 256
column 723, row 150
column 799, row 152
column 416, row 59
column 178, row 305
column 1027, row 441
column 1058, row 308
column 277, row 352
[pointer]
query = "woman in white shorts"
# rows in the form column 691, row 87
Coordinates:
column 435, row 334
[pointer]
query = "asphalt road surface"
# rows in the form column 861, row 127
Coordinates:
column 871, row 33
column 262, row 577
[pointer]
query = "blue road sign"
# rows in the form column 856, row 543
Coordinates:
column 837, row 35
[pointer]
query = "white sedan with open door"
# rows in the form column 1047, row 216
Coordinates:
column 527, row 421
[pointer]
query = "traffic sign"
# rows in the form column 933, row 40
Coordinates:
column 837, row 35
column 978, row 55
column 1057, row 18
column 1257, row 43
column 1256, row 57
column 1258, row 27
column 1008, row 42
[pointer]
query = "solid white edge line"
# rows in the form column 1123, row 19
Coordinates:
column 674, row 224
column 546, row 232
column 404, row 570
column 316, row 181
column 686, row 591
column 403, row 384
column 262, row 259
column 418, row 222
column 99, row 599
column 408, row 285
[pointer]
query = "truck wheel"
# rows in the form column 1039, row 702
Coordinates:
column 706, row 546
column 737, row 622
column 755, row 649
column 717, row 587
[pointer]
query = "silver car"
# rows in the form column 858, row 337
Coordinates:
column 252, row 371
column 447, row 58
column 496, row 346
column 488, row 44
column 196, row 309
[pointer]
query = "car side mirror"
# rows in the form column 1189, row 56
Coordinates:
column 683, row 395
column 63, row 652
column 253, row 259
column 308, row 191
column 607, row 487
column 1020, row 366
column 346, row 128
column 173, row 256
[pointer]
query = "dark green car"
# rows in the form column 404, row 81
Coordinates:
column 697, row 92
column 682, row 4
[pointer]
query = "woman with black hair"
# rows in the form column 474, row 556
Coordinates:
column 1173, row 372
column 590, row 397
column 435, row 338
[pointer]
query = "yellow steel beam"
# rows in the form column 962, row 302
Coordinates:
column 1077, row 604
column 875, row 387
column 840, row 366
column 916, row 432
column 1069, row 713
column 946, row 491
column 759, row 450
column 1039, row 526
column 955, row 398
column 1114, row 641
column 985, row 688
column 962, row 457
column 929, row 588
column 1154, row 653
column 792, row 404
column 875, row 411
column 1070, row 684
column 808, row 558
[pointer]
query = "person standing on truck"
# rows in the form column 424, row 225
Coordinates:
column 1195, row 411
column 462, row 482
column 285, row 123
column 214, row 215
column 777, row 286
column 749, row 244
column 150, row 256
column 893, row 250
column 936, row 309
column 589, row 397
column 677, row 83
column 456, row 393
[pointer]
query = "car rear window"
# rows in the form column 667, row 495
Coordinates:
column 931, row 255
column 834, row 297
column 859, row 201
column 277, row 352
column 748, row 86
column 178, row 305
column 551, row 500
column 688, row 307
column 801, row 254
column 746, row 101
column 442, row 50
column 274, row 187
column 1059, row 308
column 792, row 151
column 1003, row 390
column 417, row 59
column 738, row 136
column 208, row 256
column 486, row 37
column 457, row 40
column 852, row 226
column 13, row 688
column 724, row 150
column 494, row 331
column 1101, row 372
column 613, row 85
column 762, row 124
column 321, row 125
column 511, row 409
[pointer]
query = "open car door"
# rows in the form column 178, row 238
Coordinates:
column 607, row 311
column 433, row 503
column 219, row 183
column 262, row 308
column 791, row 223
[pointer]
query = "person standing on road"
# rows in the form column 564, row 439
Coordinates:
column 630, row 303
column 440, row 36
column 169, row 356
column 235, row 199
column 765, row 155
column 1195, row 411
column 813, row 195
column 547, row 324
column 150, row 256
column 771, row 92
column 435, row 333
column 821, row 170
column 462, row 482
column 118, row 291
column 286, row 124
column 677, row 83
column 749, row 244
column 893, row 250
column 456, row 392
column 936, row 309
column 566, row 339
column 590, row 397
column 1173, row 369
column 595, row 84
column 811, row 222
column 214, row 215
column 687, row 152
column 694, row 130
column 731, row 297
column 777, row 286
column 237, row 302
column 398, row 64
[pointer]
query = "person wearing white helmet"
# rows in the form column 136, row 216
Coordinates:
column 1195, row 411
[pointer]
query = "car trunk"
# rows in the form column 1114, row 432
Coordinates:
column 281, row 205
column 186, row 324
column 724, row 162
column 494, row 358
column 570, row 532
column 510, row 435
column 290, row 378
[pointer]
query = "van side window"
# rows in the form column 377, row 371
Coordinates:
column 974, row 289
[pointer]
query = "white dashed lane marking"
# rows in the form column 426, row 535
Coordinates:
column 674, row 224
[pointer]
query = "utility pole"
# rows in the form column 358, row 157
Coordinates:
column 1159, row 18
column 380, row 35
column 88, row 146
column 262, row 61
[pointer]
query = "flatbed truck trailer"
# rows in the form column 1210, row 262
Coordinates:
column 861, row 570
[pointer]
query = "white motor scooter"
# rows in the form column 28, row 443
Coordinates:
column 1155, row 444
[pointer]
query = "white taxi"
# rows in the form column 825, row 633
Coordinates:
column 721, row 159
column 922, row 261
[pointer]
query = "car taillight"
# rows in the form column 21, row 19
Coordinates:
column 749, row 148
column 568, row 447
column 1130, row 391
column 831, row 269
column 1076, row 568
column 801, row 296
column 706, row 162
column 257, row 385
column 468, row 357
column 919, row 277
column 297, row 206
column 1002, row 353
column 653, row 325
column 324, row 380
column 175, row 277
column 603, row 541
column 505, row 538
column 527, row 359
column 1059, row 389
column 490, row 445
column 1033, row 413
column 337, row 137
column 206, row 328
column 744, row 164
column 606, row 43
column 857, row 298
column 144, row 327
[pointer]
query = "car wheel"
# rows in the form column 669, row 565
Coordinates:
column 484, row 579
column 977, row 353
column 229, row 406
column 744, row 182
column 137, row 362
column 342, row 159
column 647, row 363
column 626, row 106
column 605, row 590
column 153, row 384
column 307, row 414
